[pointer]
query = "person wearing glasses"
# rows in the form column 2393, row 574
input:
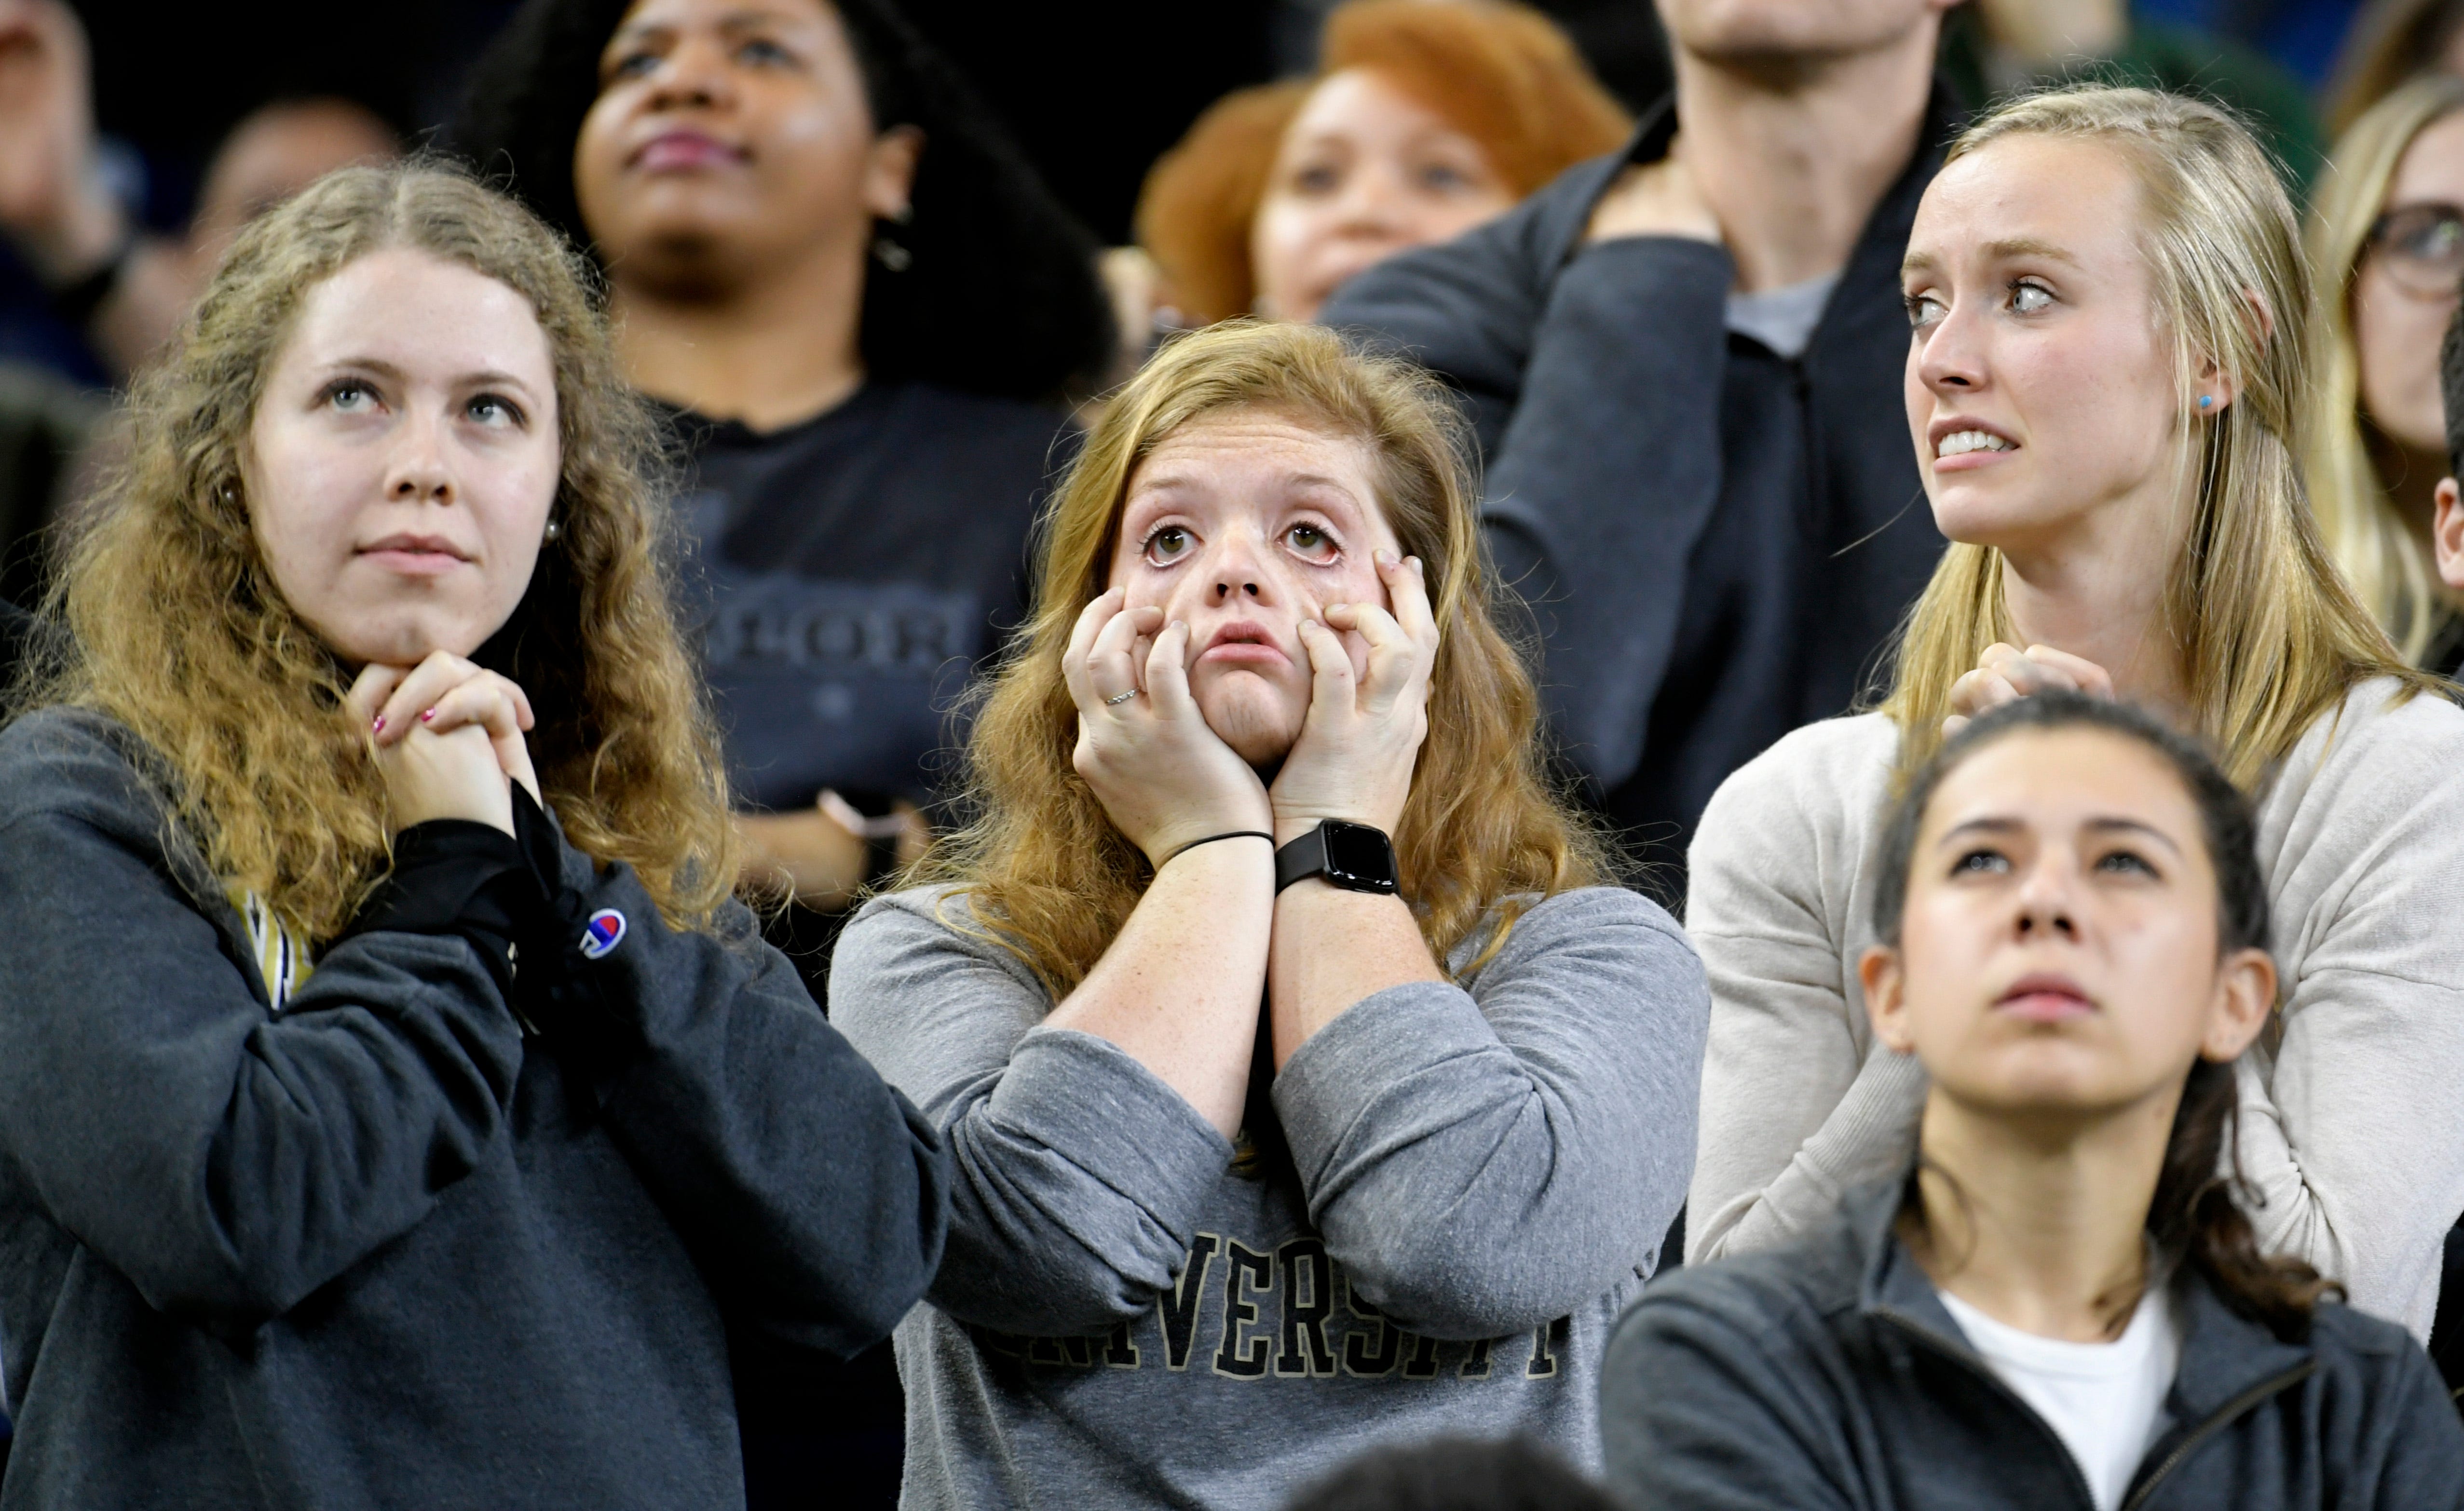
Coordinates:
column 2388, row 244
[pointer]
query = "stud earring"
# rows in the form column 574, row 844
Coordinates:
column 553, row 531
column 2206, row 401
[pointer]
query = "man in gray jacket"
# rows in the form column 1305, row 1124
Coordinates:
column 1684, row 363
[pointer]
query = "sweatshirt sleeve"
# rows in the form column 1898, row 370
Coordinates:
column 1484, row 1161
column 1076, row 1172
column 813, row 1195
column 227, row 1161
column 2354, row 1142
column 1594, row 379
column 1696, row 1415
column 1800, row 1104
column 1607, row 475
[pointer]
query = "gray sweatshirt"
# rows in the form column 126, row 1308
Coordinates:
column 1478, row 1179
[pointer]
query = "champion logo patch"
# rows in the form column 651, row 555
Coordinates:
column 605, row 932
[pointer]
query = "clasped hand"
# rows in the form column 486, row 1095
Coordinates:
column 448, row 739
column 2006, row 673
column 1166, row 779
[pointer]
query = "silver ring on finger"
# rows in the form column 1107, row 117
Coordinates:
column 1119, row 698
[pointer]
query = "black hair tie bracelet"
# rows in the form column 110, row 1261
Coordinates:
column 1229, row 834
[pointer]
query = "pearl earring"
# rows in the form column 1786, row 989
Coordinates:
column 552, row 532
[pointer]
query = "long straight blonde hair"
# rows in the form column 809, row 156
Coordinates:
column 1042, row 864
column 176, row 629
column 2389, row 567
column 2268, row 635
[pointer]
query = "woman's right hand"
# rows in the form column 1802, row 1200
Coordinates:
column 2006, row 673
column 448, row 739
column 1164, row 776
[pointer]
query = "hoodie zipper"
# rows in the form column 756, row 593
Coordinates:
column 1927, row 1337
column 2222, row 1418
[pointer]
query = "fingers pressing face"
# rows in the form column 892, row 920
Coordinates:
column 404, row 457
column 730, row 138
column 1364, row 172
column 1243, row 523
column 2040, row 390
column 2058, row 950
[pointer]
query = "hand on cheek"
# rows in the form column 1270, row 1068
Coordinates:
column 1368, row 715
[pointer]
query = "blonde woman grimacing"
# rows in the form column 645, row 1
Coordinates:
column 2103, row 376
column 1306, row 1087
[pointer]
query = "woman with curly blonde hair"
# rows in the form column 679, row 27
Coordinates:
column 1292, row 1052
column 387, row 1076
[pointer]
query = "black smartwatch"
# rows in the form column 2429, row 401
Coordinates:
column 1351, row 856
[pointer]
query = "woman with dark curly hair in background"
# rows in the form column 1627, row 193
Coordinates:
column 859, row 301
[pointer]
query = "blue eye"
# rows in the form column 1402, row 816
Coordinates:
column 489, row 408
column 1981, row 863
column 1923, row 310
column 2026, row 299
column 350, row 396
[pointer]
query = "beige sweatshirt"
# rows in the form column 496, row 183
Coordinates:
column 2352, row 1131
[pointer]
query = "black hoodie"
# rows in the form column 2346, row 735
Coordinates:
column 1717, row 540
column 1830, row 1377
column 454, row 1227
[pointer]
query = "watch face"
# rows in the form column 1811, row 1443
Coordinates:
column 1359, row 857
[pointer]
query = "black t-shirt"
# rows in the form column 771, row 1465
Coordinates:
column 849, row 576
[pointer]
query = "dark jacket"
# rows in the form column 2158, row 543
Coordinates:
column 1717, row 540
column 1830, row 1377
column 386, row 1248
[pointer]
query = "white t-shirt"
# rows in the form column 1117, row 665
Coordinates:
column 2105, row 1400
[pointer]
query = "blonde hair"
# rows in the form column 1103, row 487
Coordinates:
column 178, row 630
column 2268, row 634
column 1500, row 73
column 2388, row 566
column 1043, row 865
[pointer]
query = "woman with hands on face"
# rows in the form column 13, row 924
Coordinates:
column 2106, row 366
column 1304, row 1080
column 388, row 1076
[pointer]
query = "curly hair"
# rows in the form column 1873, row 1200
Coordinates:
column 1482, row 833
column 177, row 628
column 1501, row 74
column 1002, row 296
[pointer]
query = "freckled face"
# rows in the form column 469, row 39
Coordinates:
column 1243, row 523
column 2041, row 386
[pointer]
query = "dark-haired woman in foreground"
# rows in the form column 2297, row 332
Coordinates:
column 395, row 1110
column 860, row 304
column 2063, row 1304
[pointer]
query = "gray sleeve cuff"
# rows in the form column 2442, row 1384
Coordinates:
column 1120, row 1124
column 1335, row 1077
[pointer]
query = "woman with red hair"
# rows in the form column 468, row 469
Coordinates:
column 1423, row 121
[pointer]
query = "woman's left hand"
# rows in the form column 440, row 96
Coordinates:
column 2006, row 673
column 1357, row 746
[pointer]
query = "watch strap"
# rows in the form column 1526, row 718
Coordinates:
column 1302, row 859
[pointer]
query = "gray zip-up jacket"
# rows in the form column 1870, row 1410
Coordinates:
column 381, row 1249
column 1828, row 1376
column 1478, row 1176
